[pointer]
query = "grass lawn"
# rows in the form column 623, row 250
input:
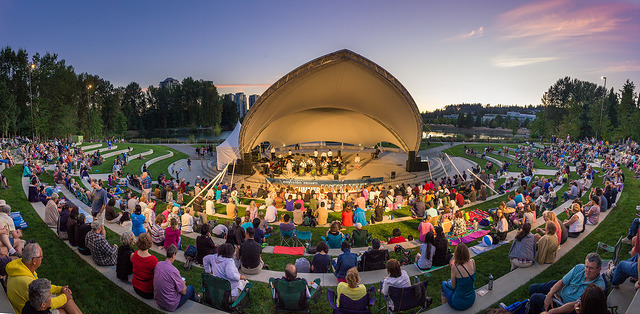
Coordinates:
column 161, row 166
column 609, row 231
column 423, row 145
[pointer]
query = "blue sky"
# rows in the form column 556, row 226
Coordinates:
column 444, row 52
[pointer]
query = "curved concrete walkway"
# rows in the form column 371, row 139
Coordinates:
column 154, row 160
column 104, row 149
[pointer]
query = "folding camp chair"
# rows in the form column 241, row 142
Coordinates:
column 334, row 241
column 404, row 299
column 286, row 238
column 217, row 293
column 348, row 306
column 291, row 296
column 303, row 238
column 614, row 250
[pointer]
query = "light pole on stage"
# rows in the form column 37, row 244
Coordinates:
column 602, row 105
column 31, row 68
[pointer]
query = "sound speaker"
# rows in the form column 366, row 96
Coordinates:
column 393, row 175
column 336, row 177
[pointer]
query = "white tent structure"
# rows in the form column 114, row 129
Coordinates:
column 229, row 151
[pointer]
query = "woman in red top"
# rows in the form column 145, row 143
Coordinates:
column 172, row 234
column 347, row 217
column 397, row 237
column 143, row 266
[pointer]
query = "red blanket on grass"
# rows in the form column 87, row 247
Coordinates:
column 299, row 250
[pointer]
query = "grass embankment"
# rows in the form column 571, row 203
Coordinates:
column 62, row 265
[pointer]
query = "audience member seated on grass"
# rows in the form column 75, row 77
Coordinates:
column 72, row 224
column 187, row 221
column 51, row 211
column 548, row 245
column 169, row 289
column 569, row 288
column 287, row 225
column 221, row 230
column 321, row 260
column 441, row 256
column 523, row 248
column 419, row 208
column 156, row 232
column 321, row 214
column 374, row 258
column 9, row 235
column 550, row 218
column 334, row 236
column 576, row 222
column 527, row 217
column 346, row 217
column 425, row 227
column 459, row 291
column 397, row 277
column 222, row 265
column 110, row 215
column 397, row 237
column 344, row 262
column 298, row 214
column 137, row 221
column 459, row 226
column 592, row 210
column 501, row 228
column 259, row 233
column 359, row 216
column 23, row 271
column 352, row 288
column 143, row 265
column 39, row 298
column 61, row 225
column 289, row 203
column 103, row 253
column 125, row 221
column 172, row 234
column 124, row 266
column 249, row 255
column 593, row 300
column 82, row 229
column 204, row 244
column 271, row 212
column 424, row 259
column 625, row 269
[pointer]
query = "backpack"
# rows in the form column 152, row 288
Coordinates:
column 190, row 256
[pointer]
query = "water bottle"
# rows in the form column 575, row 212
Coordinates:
column 391, row 217
column 475, row 225
column 490, row 282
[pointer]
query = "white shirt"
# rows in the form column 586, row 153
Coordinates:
column 272, row 214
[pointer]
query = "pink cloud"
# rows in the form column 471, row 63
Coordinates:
column 472, row 34
column 627, row 66
column 554, row 20
column 241, row 85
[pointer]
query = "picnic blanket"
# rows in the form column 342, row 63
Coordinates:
column 470, row 237
column 481, row 248
column 477, row 214
column 299, row 250
column 430, row 269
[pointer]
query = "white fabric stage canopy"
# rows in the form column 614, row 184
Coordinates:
column 340, row 97
column 228, row 151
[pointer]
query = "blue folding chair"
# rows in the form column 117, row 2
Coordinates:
column 286, row 238
column 303, row 238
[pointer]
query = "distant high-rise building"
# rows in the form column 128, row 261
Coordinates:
column 241, row 101
column 169, row 82
column 252, row 100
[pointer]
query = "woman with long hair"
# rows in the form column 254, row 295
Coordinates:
column 459, row 291
column 523, row 250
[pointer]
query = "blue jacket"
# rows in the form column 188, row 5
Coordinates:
column 359, row 216
column 346, row 261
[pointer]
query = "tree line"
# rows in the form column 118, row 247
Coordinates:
column 584, row 109
column 43, row 96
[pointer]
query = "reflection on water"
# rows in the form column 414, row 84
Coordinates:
column 467, row 133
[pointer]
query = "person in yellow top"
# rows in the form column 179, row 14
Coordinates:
column 23, row 271
column 352, row 289
column 322, row 214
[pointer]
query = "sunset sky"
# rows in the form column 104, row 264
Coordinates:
column 444, row 52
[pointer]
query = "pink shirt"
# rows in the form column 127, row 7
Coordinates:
column 424, row 228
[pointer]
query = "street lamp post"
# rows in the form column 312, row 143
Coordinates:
column 31, row 68
column 602, row 104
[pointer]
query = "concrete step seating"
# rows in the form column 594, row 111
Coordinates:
column 154, row 160
column 103, row 149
